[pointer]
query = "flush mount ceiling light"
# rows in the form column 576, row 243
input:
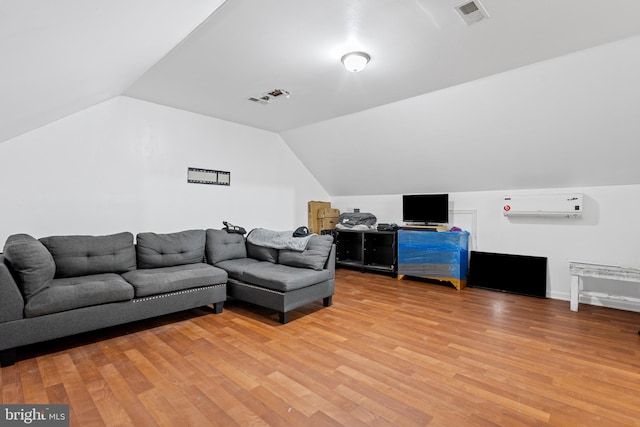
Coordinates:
column 355, row 61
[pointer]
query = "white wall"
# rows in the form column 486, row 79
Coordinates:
column 122, row 166
column 606, row 233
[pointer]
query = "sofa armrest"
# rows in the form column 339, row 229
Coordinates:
column 11, row 301
column 331, row 261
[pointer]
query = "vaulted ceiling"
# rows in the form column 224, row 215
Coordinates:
column 210, row 57
column 250, row 47
column 59, row 57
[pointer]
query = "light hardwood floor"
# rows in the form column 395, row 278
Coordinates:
column 387, row 353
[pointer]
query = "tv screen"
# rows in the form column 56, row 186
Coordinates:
column 425, row 208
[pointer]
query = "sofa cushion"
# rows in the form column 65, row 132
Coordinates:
column 76, row 292
column 87, row 255
column 222, row 246
column 169, row 279
column 314, row 256
column 283, row 278
column 166, row 250
column 31, row 263
column 236, row 267
column 261, row 253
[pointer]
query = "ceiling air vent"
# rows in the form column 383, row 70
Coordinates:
column 471, row 12
column 260, row 100
column 266, row 98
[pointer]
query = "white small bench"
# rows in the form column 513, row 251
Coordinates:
column 578, row 270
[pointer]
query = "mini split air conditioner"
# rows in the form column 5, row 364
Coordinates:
column 568, row 205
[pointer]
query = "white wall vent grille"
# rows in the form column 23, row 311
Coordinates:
column 568, row 205
column 471, row 12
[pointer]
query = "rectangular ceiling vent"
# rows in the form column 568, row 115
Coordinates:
column 266, row 98
column 260, row 100
column 471, row 12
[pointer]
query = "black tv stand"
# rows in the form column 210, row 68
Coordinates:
column 367, row 250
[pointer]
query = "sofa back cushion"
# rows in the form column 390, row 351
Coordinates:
column 31, row 263
column 84, row 255
column 222, row 246
column 261, row 253
column 166, row 250
column 314, row 256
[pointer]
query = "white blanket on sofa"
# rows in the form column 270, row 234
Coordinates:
column 277, row 239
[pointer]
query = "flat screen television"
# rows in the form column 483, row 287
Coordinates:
column 427, row 209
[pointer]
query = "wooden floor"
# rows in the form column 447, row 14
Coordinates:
column 387, row 353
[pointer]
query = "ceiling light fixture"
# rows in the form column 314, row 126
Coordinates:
column 355, row 61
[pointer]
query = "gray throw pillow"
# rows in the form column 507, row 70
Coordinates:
column 85, row 255
column 223, row 246
column 314, row 256
column 31, row 263
column 261, row 253
column 166, row 250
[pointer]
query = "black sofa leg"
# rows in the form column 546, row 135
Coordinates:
column 327, row 301
column 7, row 357
column 217, row 307
column 284, row 317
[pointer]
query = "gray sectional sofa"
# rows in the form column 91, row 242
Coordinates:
column 63, row 285
column 279, row 279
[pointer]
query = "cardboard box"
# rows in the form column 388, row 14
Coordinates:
column 328, row 213
column 312, row 209
column 327, row 223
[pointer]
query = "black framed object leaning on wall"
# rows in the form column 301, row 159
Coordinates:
column 517, row 274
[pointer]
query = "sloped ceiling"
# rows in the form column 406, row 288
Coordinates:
column 566, row 122
column 250, row 47
column 60, row 57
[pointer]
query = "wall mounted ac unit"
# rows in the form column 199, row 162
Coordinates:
column 569, row 205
